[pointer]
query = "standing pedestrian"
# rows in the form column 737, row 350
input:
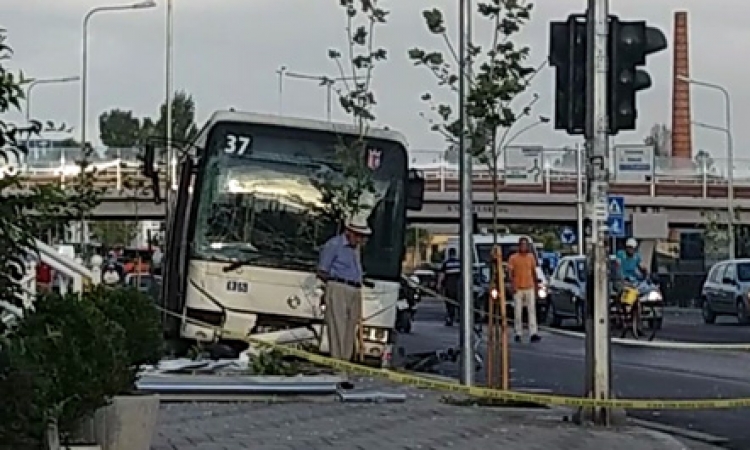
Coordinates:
column 341, row 270
column 449, row 276
column 524, row 285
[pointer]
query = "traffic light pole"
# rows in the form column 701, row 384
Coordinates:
column 598, row 367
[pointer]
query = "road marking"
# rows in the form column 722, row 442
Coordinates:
column 666, row 345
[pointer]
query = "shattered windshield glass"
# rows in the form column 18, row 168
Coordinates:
column 264, row 205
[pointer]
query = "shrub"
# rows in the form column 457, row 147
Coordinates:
column 135, row 313
column 64, row 361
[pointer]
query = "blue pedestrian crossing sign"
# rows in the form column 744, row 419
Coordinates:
column 616, row 206
column 616, row 226
column 568, row 236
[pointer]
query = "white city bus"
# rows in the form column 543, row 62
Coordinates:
column 246, row 225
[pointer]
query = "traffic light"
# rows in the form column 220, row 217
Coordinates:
column 629, row 44
column 568, row 56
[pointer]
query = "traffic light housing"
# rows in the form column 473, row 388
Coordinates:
column 568, row 56
column 629, row 44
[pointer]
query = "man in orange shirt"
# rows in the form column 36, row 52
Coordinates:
column 524, row 285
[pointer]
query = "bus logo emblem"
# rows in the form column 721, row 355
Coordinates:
column 374, row 158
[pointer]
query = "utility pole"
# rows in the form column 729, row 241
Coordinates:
column 598, row 367
column 466, row 216
column 596, row 57
column 580, row 200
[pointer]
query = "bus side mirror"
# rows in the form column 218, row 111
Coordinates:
column 414, row 191
column 148, row 158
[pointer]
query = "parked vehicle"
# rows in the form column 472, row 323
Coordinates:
column 407, row 304
column 485, row 292
column 726, row 291
column 567, row 294
column 145, row 282
column 427, row 277
column 508, row 244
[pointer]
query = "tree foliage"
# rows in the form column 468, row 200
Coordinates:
column 660, row 137
column 111, row 234
column 27, row 212
column 496, row 74
column 350, row 192
column 705, row 162
column 121, row 129
column 184, row 128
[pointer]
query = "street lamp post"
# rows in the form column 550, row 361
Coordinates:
column 280, row 72
column 328, row 82
column 84, row 73
column 540, row 121
column 730, row 155
column 168, row 82
column 59, row 80
column 84, row 51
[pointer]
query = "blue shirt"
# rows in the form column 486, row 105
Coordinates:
column 339, row 260
column 629, row 265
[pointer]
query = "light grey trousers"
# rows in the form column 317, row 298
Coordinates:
column 343, row 311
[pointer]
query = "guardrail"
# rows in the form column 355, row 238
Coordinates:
column 670, row 178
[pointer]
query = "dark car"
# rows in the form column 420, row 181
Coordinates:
column 567, row 293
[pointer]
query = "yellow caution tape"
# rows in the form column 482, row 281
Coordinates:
column 479, row 392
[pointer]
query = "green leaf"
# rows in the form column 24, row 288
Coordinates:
column 434, row 21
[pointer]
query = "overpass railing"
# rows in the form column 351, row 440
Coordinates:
column 557, row 172
column 553, row 171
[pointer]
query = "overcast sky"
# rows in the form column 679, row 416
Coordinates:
column 227, row 53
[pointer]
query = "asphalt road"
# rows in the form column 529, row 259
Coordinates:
column 557, row 364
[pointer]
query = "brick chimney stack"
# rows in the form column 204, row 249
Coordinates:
column 682, row 131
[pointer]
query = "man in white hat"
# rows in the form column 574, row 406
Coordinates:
column 341, row 269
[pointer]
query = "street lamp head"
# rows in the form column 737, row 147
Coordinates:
column 543, row 119
column 144, row 4
column 685, row 79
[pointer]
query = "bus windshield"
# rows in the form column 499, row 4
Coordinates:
column 262, row 202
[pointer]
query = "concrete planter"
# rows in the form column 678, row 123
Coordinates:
column 128, row 423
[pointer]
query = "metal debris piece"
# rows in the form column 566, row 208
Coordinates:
column 370, row 397
column 184, row 365
column 260, row 385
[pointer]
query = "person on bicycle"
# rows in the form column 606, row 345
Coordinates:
column 449, row 277
column 630, row 262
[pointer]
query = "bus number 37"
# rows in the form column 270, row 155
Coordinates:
column 237, row 145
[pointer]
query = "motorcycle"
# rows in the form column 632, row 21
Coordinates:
column 406, row 306
column 636, row 305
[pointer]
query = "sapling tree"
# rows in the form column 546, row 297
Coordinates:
column 496, row 74
column 352, row 192
column 27, row 211
column 715, row 237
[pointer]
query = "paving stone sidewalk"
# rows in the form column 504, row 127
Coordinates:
column 421, row 422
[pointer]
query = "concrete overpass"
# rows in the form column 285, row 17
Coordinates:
column 515, row 205
column 553, row 199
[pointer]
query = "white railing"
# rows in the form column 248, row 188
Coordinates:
column 563, row 163
column 73, row 273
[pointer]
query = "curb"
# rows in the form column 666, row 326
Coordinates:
column 671, row 431
column 664, row 345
